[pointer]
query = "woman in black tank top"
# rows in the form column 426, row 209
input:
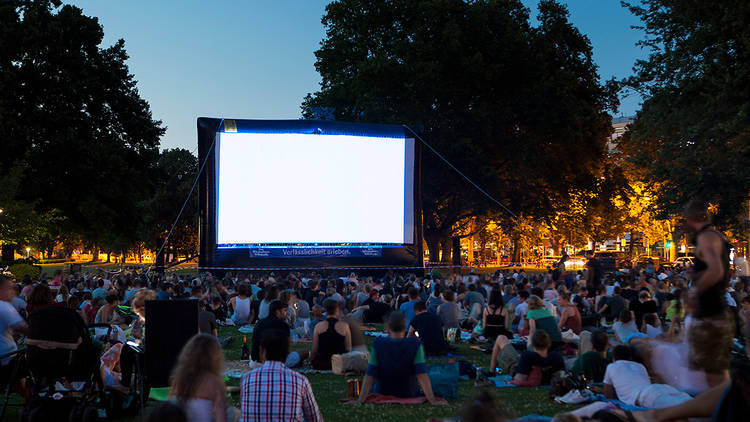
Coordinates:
column 711, row 301
column 329, row 342
column 494, row 317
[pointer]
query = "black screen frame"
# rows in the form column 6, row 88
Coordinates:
column 212, row 257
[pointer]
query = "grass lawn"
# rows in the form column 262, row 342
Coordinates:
column 330, row 388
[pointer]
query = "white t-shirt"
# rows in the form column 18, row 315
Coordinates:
column 521, row 310
column 653, row 332
column 8, row 318
column 628, row 378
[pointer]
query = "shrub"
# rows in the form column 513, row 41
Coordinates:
column 20, row 270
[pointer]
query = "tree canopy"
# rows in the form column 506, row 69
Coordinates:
column 692, row 135
column 72, row 117
column 518, row 108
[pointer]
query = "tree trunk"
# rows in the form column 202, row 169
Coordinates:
column 433, row 246
column 516, row 249
column 445, row 246
column 95, row 254
column 109, row 254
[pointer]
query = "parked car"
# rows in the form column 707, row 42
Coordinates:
column 684, row 261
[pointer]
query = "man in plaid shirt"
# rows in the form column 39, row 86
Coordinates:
column 273, row 392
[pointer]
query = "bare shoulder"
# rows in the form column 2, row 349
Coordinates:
column 710, row 239
column 342, row 327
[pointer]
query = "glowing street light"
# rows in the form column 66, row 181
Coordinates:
column 27, row 252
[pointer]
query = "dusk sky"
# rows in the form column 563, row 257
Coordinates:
column 254, row 59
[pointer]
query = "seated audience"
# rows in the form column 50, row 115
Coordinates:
column 407, row 308
column 330, row 337
column 197, row 381
column 107, row 314
column 643, row 306
column 625, row 328
column 240, row 305
column 593, row 364
column 40, row 297
column 276, row 320
column 273, row 392
column 495, row 316
column 570, row 317
column 429, row 328
column 629, row 382
column 11, row 327
column 540, row 318
column 397, row 364
column 533, row 367
column 448, row 311
column 316, row 316
column 726, row 401
column 651, row 326
column 373, row 311
column 207, row 321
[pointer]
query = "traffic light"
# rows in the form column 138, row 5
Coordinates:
column 667, row 245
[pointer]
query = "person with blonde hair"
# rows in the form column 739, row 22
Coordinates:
column 197, row 382
column 540, row 318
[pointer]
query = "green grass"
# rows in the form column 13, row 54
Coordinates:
column 330, row 388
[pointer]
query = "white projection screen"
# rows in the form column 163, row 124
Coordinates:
column 307, row 188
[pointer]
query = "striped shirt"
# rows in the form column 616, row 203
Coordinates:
column 275, row 393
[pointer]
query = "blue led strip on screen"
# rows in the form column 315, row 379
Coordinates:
column 328, row 268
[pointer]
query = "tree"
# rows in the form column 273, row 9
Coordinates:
column 20, row 223
column 692, row 135
column 518, row 109
column 71, row 112
column 175, row 172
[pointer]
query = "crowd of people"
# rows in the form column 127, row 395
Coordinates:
column 675, row 325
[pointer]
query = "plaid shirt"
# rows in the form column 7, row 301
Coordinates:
column 275, row 393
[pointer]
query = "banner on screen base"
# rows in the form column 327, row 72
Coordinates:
column 328, row 252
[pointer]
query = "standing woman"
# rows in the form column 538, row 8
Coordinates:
column 197, row 382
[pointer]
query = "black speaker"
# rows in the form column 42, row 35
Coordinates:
column 456, row 241
column 169, row 325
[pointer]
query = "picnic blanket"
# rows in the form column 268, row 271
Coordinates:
column 382, row 399
column 532, row 418
column 502, row 381
column 446, row 356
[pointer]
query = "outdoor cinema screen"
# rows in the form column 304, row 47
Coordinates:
column 307, row 193
column 275, row 188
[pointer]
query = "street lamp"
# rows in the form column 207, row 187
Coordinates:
column 27, row 252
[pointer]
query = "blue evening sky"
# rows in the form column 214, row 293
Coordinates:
column 254, row 59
